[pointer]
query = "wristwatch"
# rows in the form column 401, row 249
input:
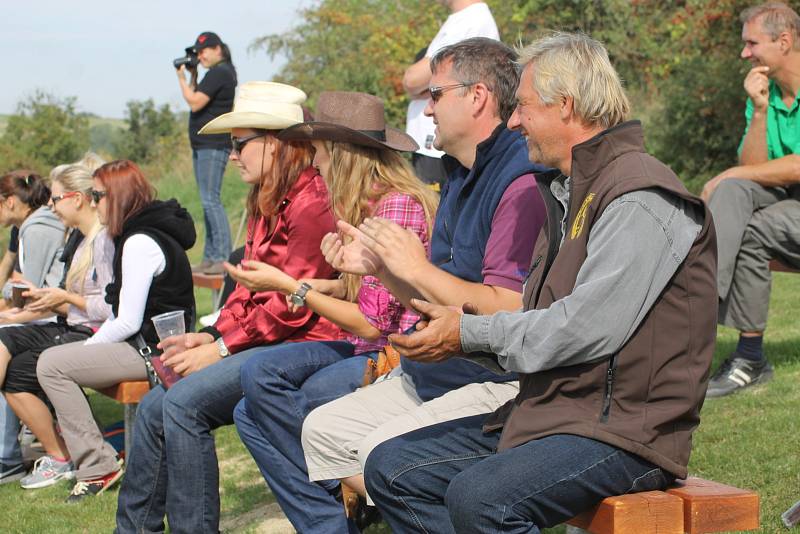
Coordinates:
column 223, row 350
column 298, row 297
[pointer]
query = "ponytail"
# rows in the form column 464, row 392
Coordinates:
column 28, row 186
column 226, row 56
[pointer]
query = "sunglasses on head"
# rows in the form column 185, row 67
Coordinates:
column 97, row 195
column 436, row 92
column 237, row 143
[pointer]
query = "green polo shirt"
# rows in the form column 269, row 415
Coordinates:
column 783, row 124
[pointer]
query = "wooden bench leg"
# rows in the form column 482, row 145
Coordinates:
column 130, row 417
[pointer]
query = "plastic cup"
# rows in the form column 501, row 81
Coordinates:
column 169, row 324
column 17, row 289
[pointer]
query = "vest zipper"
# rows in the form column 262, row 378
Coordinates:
column 612, row 366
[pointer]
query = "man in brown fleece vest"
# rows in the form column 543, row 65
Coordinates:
column 614, row 341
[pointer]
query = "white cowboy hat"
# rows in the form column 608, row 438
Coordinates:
column 261, row 105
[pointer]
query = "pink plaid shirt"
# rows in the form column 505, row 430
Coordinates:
column 381, row 308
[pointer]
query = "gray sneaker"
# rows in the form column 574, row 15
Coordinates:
column 737, row 373
column 46, row 472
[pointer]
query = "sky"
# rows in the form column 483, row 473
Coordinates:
column 108, row 52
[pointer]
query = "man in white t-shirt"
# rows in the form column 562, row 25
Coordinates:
column 468, row 18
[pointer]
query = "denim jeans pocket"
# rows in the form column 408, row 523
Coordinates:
column 650, row 481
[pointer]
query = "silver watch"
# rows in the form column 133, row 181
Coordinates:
column 298, row 297
column 223, row 350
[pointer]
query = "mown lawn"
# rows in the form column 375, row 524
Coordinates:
column 748, row 440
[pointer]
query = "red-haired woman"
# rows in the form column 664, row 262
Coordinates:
column 173, row 464
column 151, row 275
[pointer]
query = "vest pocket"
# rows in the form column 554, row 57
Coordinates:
column 609, row 388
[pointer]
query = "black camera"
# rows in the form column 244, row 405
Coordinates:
column 190, row 60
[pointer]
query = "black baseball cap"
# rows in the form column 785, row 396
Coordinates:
column 204, row 40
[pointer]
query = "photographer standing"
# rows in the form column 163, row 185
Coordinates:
column 209, row 99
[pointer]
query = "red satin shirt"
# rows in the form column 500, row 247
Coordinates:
column 252, row 319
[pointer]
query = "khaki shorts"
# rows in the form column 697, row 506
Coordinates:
column 338, row 436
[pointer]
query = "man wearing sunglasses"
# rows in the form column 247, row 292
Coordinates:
column 488, row 219
column 468, row 18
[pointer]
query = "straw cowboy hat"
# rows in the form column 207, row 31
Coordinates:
column 350, row 117
column 261, row 105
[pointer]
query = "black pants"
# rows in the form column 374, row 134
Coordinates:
column 25, row 343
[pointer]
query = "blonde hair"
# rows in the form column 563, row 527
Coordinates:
column 91, row 161
column 776, row 18
column 577, row 66
column 359, row 177
column 77, row 177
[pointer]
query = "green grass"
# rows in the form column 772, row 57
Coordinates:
column 748, row 440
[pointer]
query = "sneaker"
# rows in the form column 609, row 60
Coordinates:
column 10, row 473
column 737, row 373
column 88, row 488
column 46, row 472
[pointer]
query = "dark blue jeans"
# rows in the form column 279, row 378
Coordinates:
column 209, row 168
column 172, row 465
column 449, row 478
column 282, row 384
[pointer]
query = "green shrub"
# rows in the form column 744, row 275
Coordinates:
column 44, row 132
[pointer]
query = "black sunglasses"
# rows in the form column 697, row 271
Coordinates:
column 237, row 143
column 97, row 195
column 436, row 92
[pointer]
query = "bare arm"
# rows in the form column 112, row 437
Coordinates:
column 197, row 100
column 343, row 314
column 417, row 78
column 440, row 287
column 405, row 270
column 779, row 172
column 754, row 146
column 7, row 266
column 259, row 276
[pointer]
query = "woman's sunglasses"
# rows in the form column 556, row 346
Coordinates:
column 237, row 143
column 97, row 195
column 54, row 200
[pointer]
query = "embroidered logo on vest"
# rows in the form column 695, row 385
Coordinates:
column 580, row 217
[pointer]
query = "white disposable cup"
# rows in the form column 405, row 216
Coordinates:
column 169, row 324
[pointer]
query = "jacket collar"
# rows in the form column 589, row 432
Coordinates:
column 497, row 142
column 594, row 155
column 306, row 176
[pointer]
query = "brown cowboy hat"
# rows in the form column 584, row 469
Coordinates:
column 350, row 117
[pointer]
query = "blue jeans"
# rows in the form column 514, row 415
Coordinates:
column 449, row 478
column 281, row 386
column 209, row 167
column 172, row 466
column 10, row 452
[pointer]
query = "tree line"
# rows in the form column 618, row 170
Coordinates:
column 679, row 60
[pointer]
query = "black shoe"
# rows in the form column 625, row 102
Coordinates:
column 364, row 515
column 10, row 473
column 90, row 488
column 737, row 373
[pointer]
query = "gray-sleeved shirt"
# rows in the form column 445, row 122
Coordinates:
column 634, row 249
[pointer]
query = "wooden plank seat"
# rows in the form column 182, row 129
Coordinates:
column 128, row 394
column 709, row 506
column 693, row 506
column 776, row 266
column 214, row 282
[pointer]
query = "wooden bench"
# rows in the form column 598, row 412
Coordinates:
column 778, row 267
column 214, row 282
column 128, row 394
column 693, row 506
